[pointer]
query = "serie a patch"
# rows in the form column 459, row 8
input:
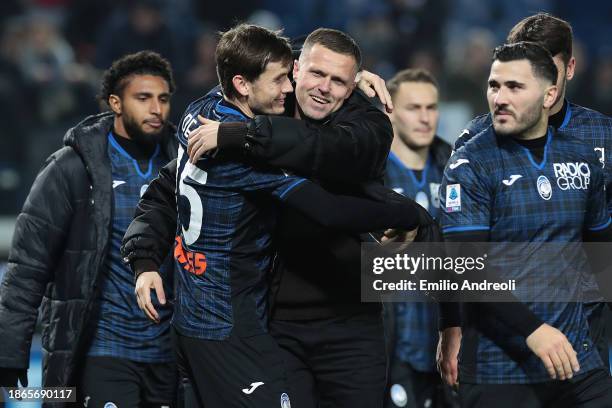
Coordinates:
column 453, row 198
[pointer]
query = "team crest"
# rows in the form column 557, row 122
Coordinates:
column 284, row 401
column 544, row 187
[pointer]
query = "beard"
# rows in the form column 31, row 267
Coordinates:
column 135, row 132
column 524, row 122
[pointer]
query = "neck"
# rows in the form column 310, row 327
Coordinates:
column 414, row 159
column 557, row 106
column 241, row 104
column 538, row 130
column 119, row 129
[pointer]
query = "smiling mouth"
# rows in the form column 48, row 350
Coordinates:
column 319, row 100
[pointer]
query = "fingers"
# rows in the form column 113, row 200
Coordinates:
column 203, row 120
column 548, row 364
column 573, row 357
column 567, row 371
column 198, row 152
column 159, row 290
column 143, row 295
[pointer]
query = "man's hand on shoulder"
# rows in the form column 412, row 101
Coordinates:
column 203, row 139
column 373, row 85
column 145, row 282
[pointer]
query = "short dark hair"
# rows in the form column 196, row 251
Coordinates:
column 549, row 31
column 410, row 75
column 246, row 50
column 539, row 57
column 336, row 41
column 115, row 79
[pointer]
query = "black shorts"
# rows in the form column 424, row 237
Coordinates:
column 246, row 372
column 109, row 382
column 592, row 389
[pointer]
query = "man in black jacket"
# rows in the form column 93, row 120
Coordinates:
column 65, row 253
column 333, row 344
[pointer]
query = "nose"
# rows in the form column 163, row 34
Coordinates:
column 424, row 115
column 500, row 98
column 325, row 85
column 155, row 106
column 287, row 87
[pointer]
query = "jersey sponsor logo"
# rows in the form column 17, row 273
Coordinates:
column 253, row 386
column 601, row 152
column 544, row 187
column 422, row 200
column 434, row 193
column 284, row 401
column 192, row 262
column 453, row 198
column 458, row 163
column 572, row 175
column 117, row 183
column 512, row 179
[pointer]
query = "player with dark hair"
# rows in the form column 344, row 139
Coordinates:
column 226, row 216
column 594, row 128
column 333, row 345
column 507, row 185
column 65, row 254
column 414, row 169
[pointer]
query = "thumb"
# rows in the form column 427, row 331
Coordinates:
column 203, row 120
column 159, row 289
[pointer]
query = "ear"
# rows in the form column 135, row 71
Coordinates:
column 571, row 69
column 115, row 104
column 550, row 96
column 241, row 85
column 296, row 68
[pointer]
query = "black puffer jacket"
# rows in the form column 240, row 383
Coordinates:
column 59, row 247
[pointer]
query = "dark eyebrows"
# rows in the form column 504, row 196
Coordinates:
column 333, row 78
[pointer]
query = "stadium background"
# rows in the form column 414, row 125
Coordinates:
column 52, row 53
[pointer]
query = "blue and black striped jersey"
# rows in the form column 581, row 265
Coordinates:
column 226, row 212
column 122, row 330
column 416, row 332
column 494, row 184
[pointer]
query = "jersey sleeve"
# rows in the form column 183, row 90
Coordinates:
column 464, row 198
column 597, row 216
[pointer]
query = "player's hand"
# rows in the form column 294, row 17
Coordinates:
column 399, row 235
column 373, row 85
column 447, row 354
column 202, row 139
column 555, row 351
column 10, row 376
column 145, row 282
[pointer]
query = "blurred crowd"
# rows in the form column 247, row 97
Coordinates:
column 52, row 53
